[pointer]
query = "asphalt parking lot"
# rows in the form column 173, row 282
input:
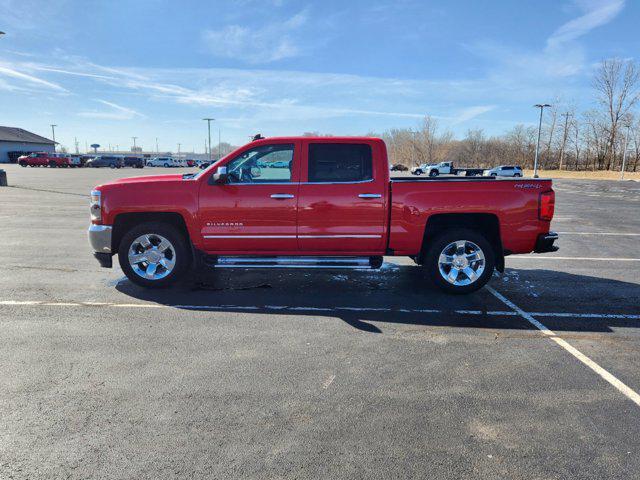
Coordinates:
column 294, row 374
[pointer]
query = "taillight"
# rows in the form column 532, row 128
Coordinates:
column 547, row 205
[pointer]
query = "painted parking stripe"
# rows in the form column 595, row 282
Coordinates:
column 613, row 234
column 594, row 259
column 491, row 313
column 615, row 382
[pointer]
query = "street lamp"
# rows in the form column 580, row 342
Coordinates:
column 53, row 133
column 624, row 153
column 541, row 106
column 134, row 143
column 209, row 120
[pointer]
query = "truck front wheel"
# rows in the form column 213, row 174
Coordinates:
column 460, row 260
column 434, row 173
column 154, row 254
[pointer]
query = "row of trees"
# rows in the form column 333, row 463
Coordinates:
column 592, row 140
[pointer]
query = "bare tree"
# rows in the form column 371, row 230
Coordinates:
column 552, row 114
column 565, row 134
column 617, row 85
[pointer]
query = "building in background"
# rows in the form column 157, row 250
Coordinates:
column 16, row 141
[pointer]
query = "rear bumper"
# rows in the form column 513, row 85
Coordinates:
column 545, row 243
column 100, row 240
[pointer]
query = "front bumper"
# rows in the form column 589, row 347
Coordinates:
column 100, row 240
column 545, row 244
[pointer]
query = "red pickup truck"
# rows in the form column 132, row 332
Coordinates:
column 317, row 202
column 44, row 159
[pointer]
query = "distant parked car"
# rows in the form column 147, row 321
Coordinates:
column 166, row 162
column 398, row 167
column 110, row 161
column 75, row 161
column 135, row 162
column 203, row 165
column 44, row 159
column 503, row 171
column 190, row 162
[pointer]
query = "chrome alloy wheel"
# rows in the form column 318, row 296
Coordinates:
column 461, row 263
column 152, row 256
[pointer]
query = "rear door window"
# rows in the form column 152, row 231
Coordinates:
column 340, row 162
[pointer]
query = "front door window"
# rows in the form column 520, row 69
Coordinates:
column 265, row 164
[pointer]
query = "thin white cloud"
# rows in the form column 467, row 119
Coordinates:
column 15, row 74
column 265, row 44
column 470, row 113
column 118, row 112
column 596, row 14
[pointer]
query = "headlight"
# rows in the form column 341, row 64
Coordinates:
column 96, row 205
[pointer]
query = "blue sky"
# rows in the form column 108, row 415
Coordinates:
column 105, row 71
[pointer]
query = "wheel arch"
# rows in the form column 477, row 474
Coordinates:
column 125, row 221
column 486, row 223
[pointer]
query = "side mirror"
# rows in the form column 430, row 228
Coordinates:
column 220, row 176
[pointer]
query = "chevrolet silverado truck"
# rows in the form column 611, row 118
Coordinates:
column 307, row 202
column 44, row 159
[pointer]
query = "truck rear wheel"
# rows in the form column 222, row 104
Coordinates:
column 154, row 255
column 52, row 164
column 460, row 260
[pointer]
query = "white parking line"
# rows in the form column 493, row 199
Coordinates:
column 286, row 308
column 620, row 386
column 614, row 234
column 594, row 259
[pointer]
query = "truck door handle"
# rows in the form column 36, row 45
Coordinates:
column 282, row 196
column 370, row 195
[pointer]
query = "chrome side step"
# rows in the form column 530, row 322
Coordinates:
column 297, row 262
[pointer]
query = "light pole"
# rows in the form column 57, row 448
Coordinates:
column 179, row 150
column 209, row 120
column 541, row 106
column 624, row 153
column 53, row 133
column 157, row 150
column 134, row 143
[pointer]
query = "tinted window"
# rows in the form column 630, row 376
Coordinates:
column 264, row 164
column 338, row 162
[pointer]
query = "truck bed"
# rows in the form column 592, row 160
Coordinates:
column 512, row 201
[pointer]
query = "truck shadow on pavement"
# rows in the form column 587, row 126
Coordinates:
column 402, row 295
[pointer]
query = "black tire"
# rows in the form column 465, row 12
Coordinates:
column 494, row 174
column 52, row 164
column 418, row 172
column 517, row 175
column 434, row 173
column 23, row 163
column 112, row 165
column 166, row 165
column 438, row 244
column 177, row 239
